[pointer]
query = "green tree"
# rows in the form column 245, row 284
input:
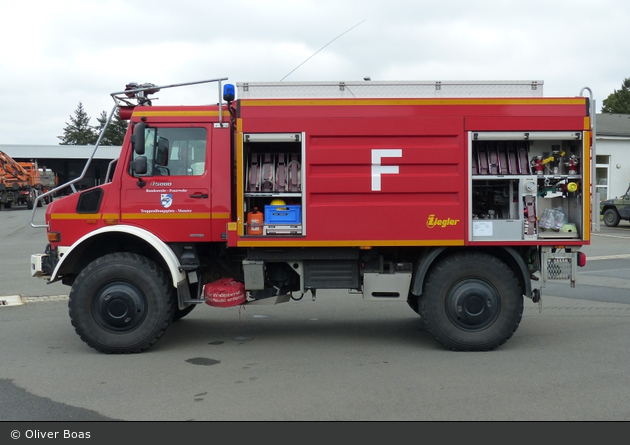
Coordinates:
column 115, row 133
column 78, row 131
column 619, row 101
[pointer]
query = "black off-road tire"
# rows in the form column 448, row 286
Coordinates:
column 471, row 302
column 121, row 303
column 611, row 218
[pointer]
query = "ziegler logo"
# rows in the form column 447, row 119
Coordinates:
column 432, row 222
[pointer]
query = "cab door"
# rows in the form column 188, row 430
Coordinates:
column 173, row 199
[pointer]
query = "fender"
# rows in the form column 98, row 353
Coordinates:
column 524, row 271
column 163, row 249
column 421, row 270
column 516, row 262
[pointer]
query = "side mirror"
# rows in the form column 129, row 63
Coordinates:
column 137, row 139
column 139, row 165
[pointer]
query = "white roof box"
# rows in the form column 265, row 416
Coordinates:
column 388, row 89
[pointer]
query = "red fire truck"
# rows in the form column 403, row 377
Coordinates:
column 459, row 198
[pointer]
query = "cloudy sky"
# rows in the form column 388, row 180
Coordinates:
column 57, row 53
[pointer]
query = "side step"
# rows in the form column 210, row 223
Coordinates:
column 558, row 266
column 386, row 286
column 271, row 300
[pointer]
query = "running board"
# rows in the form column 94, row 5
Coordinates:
column 386, row 286
column 271, row 300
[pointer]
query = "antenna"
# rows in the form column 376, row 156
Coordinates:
column 345, row 32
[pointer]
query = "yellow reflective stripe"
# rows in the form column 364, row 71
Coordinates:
column 84, row 216
column 175, row 215
column 240, row 217
column 586, row 181
column 166, row 216
column 91, row 216
column 149, row 113
column 489, row 101
column 347, row 243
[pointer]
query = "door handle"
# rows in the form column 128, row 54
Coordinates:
column 199, row 195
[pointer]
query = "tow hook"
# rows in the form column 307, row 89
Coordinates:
column 536, row 298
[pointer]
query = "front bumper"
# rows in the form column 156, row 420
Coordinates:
column 39, row 262
column 42, row 264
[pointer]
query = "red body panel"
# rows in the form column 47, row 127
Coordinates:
column 416, row 194
column 341, row 205
column 425, row 202
column 62, row 216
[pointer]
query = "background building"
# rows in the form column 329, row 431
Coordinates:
column 612, row 154
column 67, row 161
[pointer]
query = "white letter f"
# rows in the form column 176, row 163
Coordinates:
column 378, row 169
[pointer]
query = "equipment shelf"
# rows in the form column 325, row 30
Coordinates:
column 272, row 176
column 517, row 179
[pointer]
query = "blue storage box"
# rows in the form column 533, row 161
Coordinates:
column 283, row 214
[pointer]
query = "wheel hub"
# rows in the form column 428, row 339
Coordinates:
column 119, row 307
column 473, row 305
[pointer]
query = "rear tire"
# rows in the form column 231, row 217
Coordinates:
column 611, row 218
column 121, row 303
column 471, row 302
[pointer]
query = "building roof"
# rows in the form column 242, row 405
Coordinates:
column 60, row 151
column 616, row 125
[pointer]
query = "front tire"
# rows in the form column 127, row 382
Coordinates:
column 471, row 302
column 611, row 218
column 121, row 303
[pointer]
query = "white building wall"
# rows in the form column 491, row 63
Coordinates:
column 618, row 149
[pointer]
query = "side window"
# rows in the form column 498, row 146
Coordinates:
column 175, row 151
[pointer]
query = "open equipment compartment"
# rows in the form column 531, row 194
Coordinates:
column 526, row 186
column 273, row 184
